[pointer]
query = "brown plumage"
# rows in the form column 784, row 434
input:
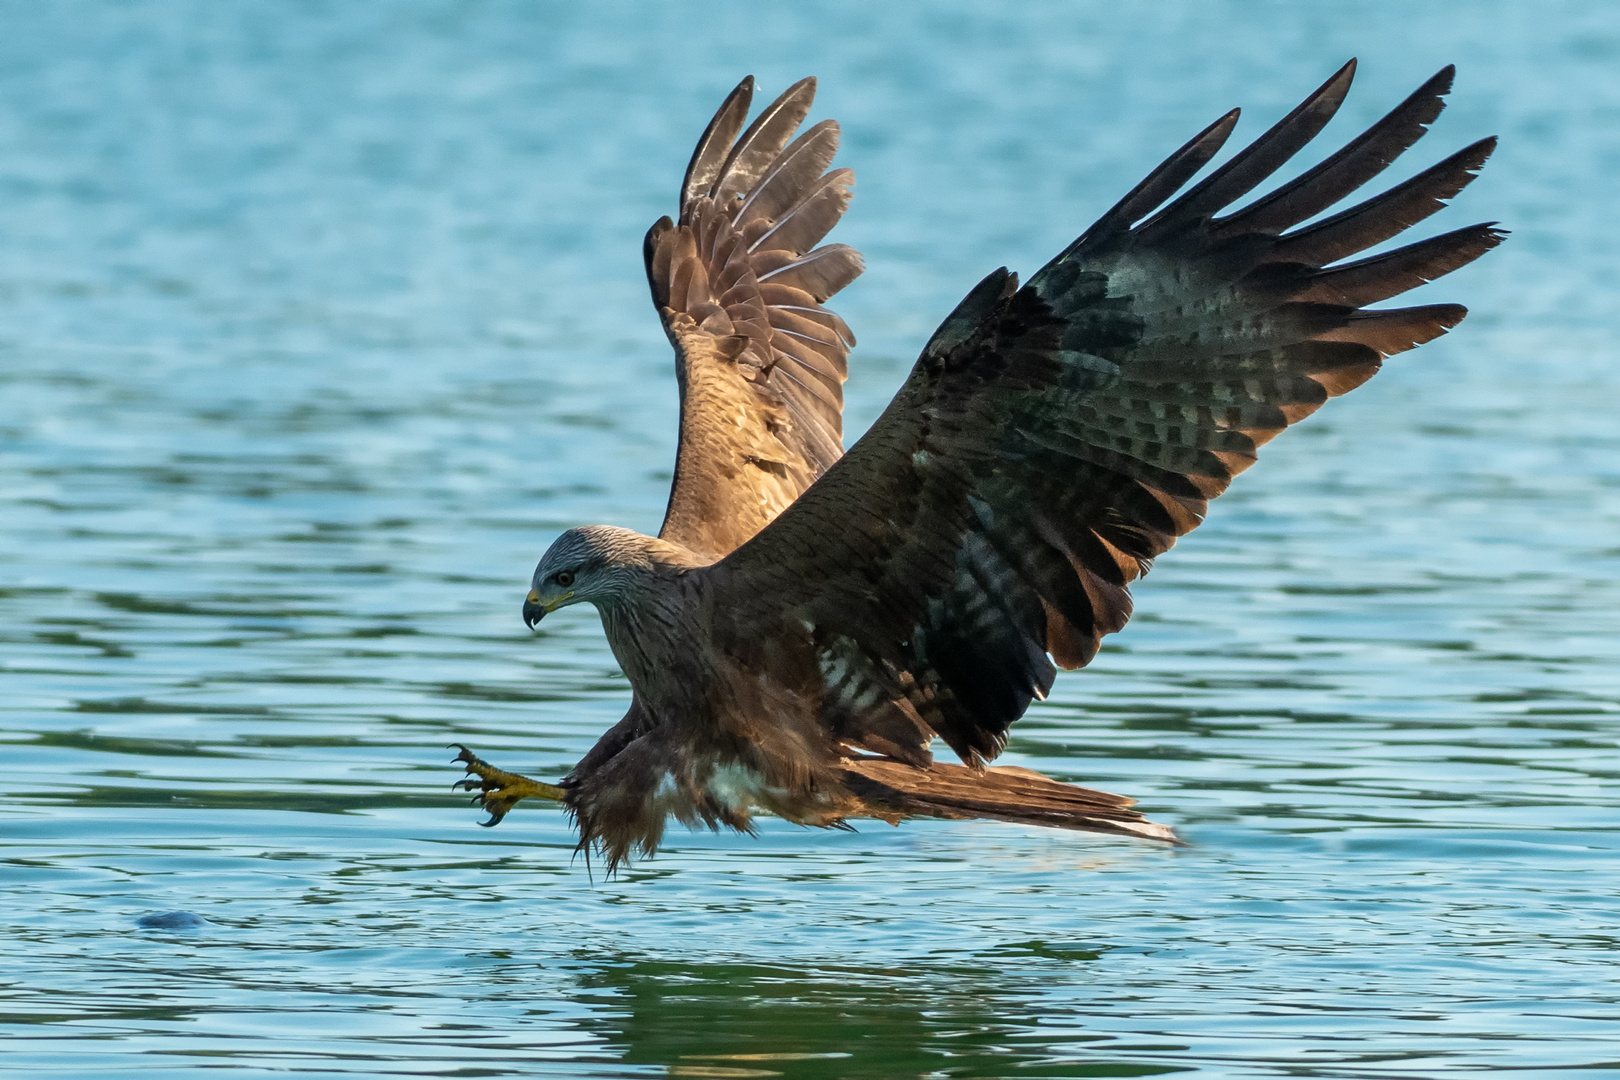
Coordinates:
column 808, row 622
column 739, row 283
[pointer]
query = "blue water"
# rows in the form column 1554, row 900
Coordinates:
column 318, row 321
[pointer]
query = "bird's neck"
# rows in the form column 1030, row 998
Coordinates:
column 646, row 616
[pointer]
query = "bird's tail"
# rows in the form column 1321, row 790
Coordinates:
column 892, row 789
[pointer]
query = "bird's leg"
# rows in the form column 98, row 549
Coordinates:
column 498, row 790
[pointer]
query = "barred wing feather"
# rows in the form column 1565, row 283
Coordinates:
column 1054, row 438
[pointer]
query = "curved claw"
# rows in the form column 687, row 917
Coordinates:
column 495, row 790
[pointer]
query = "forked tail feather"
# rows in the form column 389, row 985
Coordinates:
column 894, row 790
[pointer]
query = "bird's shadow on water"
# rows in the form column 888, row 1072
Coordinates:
column 807, row 1022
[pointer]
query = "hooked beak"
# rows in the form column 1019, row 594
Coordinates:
column 534, row 610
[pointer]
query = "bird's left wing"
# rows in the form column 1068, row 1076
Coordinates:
column 739, row 283
column 1054, row 438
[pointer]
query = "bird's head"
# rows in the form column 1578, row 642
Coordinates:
column 599, row 564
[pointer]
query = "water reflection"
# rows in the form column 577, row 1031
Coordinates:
column 805, row 1024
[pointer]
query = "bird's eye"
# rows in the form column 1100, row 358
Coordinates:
column 565, row 578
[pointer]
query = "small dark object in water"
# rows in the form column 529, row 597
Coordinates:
column 171, row 920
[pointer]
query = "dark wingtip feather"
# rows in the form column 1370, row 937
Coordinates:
column 1385, row 215
column 758, row 146
column 1163, row 181
column 1257, row 161
column 1380, row 277
column 1357, row 162
column 715, row 145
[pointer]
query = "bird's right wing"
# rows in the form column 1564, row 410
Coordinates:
column 1054, row 438
column 739, row 282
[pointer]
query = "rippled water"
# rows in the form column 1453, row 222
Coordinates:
column 318, row 321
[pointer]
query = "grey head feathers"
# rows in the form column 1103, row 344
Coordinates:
column 603, row 564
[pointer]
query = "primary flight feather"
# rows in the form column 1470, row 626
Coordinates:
column 808, row 621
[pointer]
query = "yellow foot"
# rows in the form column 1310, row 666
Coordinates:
column 498, row 790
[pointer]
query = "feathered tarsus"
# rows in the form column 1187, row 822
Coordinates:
column 807, row 621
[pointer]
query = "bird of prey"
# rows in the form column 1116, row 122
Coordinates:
column 808, row 621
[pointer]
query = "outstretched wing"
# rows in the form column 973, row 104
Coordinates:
column 739, row 282
column 1053, row 439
